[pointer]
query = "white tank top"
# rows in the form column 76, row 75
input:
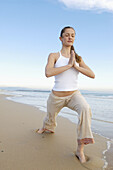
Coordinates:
column 67, row 80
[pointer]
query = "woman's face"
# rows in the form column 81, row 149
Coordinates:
column 68, row 37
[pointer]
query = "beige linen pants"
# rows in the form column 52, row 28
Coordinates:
column 77, row 103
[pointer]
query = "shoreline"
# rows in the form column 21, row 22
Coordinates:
column 60, row 132
column 8, row 97
column 101, row 122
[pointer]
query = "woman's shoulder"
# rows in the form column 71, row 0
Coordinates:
column 54, row 55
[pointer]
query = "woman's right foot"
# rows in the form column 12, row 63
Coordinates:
column 42, row 130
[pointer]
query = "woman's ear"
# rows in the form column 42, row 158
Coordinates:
column 60, row 38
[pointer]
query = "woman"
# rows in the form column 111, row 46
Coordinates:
column 65, row 66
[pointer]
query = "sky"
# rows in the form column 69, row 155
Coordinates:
column 29, row 32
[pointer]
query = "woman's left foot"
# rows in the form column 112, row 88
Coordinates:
column 81, row 157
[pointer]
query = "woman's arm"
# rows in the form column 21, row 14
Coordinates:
column 84, row 69
column 50, row 70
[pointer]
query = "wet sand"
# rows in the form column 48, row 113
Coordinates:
column 21, row 148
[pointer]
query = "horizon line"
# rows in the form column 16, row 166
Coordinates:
column 47, row 89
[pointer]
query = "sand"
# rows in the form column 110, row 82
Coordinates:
column 21, row 148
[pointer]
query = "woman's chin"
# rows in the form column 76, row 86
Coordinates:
column 69, row 45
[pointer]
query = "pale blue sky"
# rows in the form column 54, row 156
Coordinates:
column 29, row 31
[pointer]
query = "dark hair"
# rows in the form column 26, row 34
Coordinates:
column 78, row 58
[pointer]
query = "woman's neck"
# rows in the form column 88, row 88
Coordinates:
column 65, row 50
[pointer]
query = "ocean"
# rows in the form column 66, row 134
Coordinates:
column 101, row 103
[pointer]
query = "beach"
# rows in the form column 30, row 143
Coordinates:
column 21, row 148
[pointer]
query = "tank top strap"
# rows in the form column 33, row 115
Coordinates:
column 60, row 53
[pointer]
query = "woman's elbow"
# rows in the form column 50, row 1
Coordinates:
column 93, row 76
column 47, row 74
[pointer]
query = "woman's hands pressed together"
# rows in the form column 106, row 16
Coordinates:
column 72, row 59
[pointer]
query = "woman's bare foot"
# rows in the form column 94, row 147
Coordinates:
column 42, row 130
column 80, row 157
column 80, row 153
